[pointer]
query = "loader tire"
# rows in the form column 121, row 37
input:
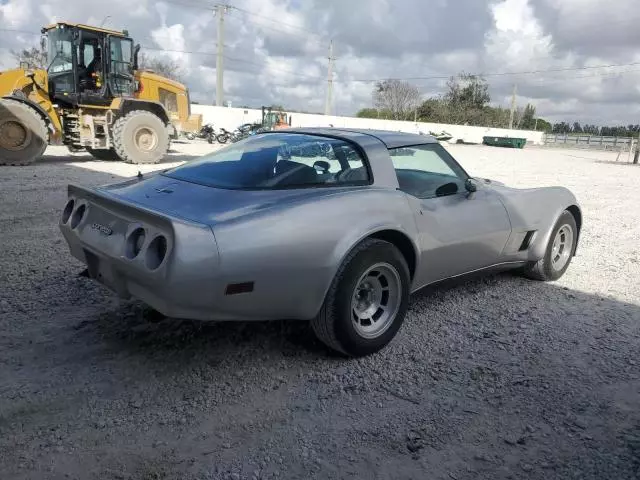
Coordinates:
column 140, row 137
column 23, row 133
column 103, row 154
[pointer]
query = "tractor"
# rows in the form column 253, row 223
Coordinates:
column 92, row 96
column 274, row 120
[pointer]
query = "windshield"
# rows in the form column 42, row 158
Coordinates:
column 59, row 50
column 121, row 65
column 277, row 161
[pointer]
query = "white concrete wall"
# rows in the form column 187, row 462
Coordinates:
column 230, row 118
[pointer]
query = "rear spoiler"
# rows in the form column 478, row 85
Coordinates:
column 125, row 207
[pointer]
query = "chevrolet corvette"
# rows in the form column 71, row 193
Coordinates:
column 333, row 226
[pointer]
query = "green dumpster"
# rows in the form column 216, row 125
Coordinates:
column 509, row 142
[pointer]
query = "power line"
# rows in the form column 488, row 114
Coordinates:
column 360, row 80
column 498, row 74
column 277, row 22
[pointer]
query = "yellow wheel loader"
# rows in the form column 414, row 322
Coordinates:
column 91, row 96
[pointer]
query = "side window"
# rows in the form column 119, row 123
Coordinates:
column 427, row 171
column 323, row 161
column 87, row 54
column 169, row 100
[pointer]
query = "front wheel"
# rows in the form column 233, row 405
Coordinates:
column 23, row 133
column 559, row 252
column 367, row 300
column 222, row 138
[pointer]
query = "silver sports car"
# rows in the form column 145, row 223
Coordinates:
column 334, row 226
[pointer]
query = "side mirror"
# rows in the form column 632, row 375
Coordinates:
column 447, row 189
column 321, row 166
column 470, row 185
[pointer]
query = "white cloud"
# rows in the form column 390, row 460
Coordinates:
column 284, row 61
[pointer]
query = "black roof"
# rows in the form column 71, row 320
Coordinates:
column 390, row 138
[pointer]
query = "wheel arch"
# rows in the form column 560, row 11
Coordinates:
column 402, row 242
column 124, row 106
column 41, row 111
column 577, row 215
column 540, row 241
column 397, row 237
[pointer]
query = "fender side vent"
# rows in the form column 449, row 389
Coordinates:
column 237, row 288
column 527, row 240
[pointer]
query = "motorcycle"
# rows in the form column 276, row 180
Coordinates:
column 241, row 132
column 207, row 131
column 225, row 135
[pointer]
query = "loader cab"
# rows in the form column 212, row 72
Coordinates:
column 88, row 66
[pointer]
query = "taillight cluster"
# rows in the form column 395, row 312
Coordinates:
column 154, row 250
column 141, row 243
column 73, row 213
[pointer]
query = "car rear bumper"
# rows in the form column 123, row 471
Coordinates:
column 181, row 282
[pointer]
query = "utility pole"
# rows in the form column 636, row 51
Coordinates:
column 329, row 99
column 637, row 154
column 220, row 10
column 513, row 106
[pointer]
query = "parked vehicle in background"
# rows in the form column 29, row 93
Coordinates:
column 333, row 226
column 92, row 97
column 274, row 119
column 207, row 132
column 239, row 133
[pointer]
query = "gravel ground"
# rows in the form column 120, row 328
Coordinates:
column 495, row 378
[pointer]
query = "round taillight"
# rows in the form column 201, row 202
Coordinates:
column 77, row 216
column 135, row 243
column 66, row 213
column 156, row 252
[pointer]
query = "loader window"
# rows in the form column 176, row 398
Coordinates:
column 60, row 61
column 121, row 66
column 59, row 57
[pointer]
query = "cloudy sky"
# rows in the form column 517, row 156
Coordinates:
column 581, row 55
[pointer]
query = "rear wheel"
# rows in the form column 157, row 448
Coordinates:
column 559, row 252
column 222, row 138
column 140, row 137
column 23, row 133
column 103, row 154
column 367, row 301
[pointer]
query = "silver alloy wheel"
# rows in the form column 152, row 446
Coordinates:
column 376, row 300
column 562, row 247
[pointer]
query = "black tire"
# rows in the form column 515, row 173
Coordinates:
column 544, row 269
column 211, row 137
column 334, row 325
column 136, row 150
column 222, row 138
column 103, row 154
column 23, row 133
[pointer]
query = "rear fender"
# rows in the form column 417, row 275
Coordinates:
column 123, row 106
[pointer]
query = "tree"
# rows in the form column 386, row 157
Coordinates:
column 368, row 113
column 527, row 120
column 400, row 98
column 162, row 66
column 34, row 57
column 541, row 125
column 468, row 90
